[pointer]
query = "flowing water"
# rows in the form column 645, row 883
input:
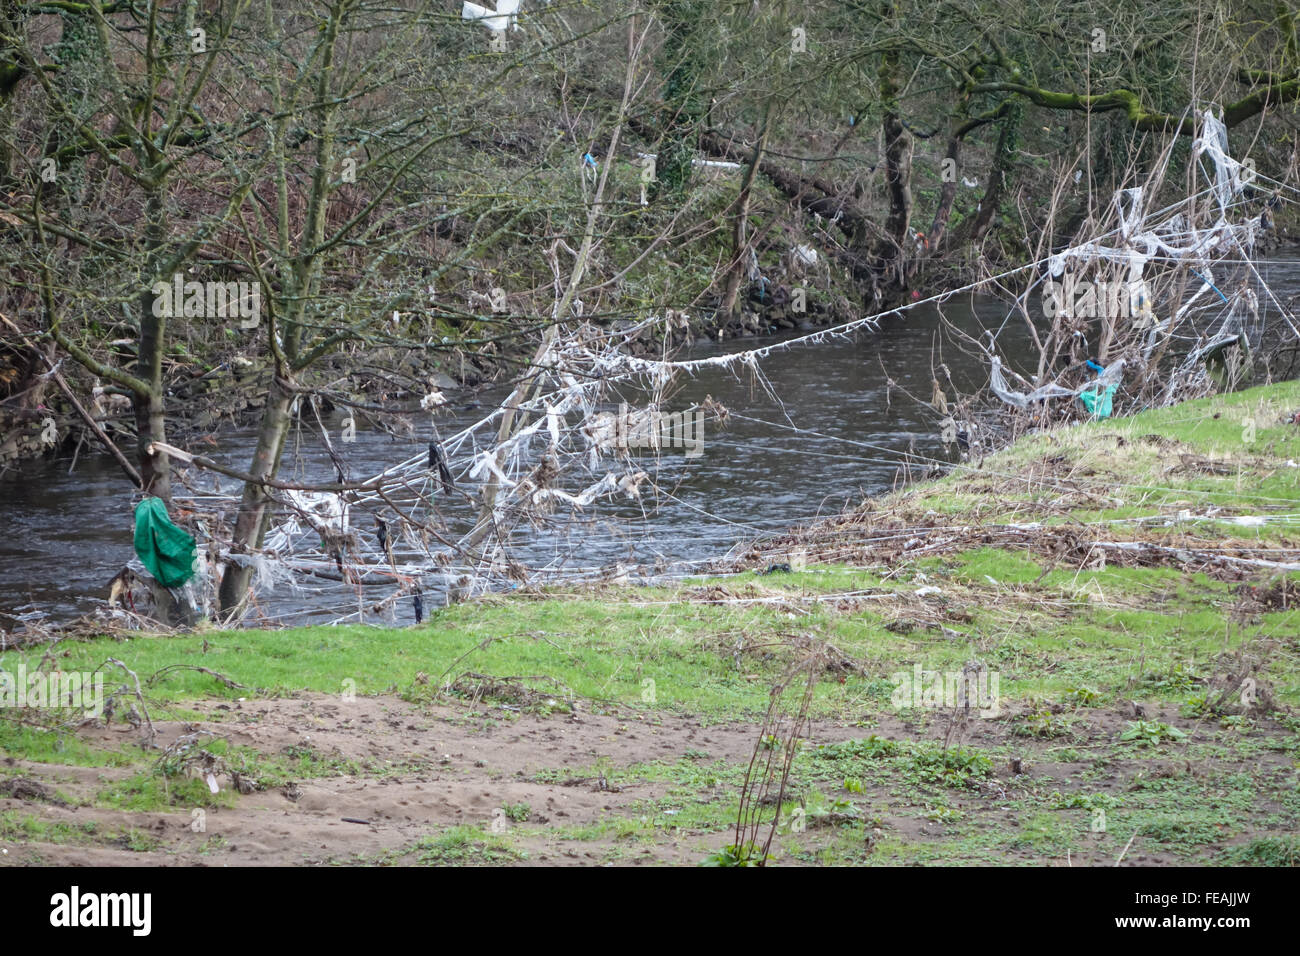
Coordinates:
column 837, row 432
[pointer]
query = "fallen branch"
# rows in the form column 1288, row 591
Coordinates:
column 139, row 695
column 186, row 458
column 234, row 685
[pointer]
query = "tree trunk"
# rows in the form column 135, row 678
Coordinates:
column 1008, row 136
column 736, row 273
column 938, row 233
column 682, row 63
column 891, row 249
column 10, row 75
column 810, row 194
column 253, row 519
column 150, row 415
column 300, row 277
column 947, row 195
column 11, row 71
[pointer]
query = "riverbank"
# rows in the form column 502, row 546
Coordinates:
column 1121, row 593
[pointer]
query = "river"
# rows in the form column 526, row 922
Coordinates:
column 835, row 435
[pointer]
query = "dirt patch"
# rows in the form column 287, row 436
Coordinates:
column 458, row 784
column 21, row 788
column 417, row 771
column 1281, row 596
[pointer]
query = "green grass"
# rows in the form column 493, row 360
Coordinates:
column 1266, row 851
column 59, row 746
column 466, row 846
column 25, row 827
column 149, row 791
column 1137, row 477
column 1072, row 649
column 649, row 650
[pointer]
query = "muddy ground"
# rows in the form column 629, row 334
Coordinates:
column 432, row 769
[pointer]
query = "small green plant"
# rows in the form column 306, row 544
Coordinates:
column 853, row 785
column 1266, row 851
column 820, row 810
column 464, row 845
column 1151, row 733
column 1044, row 724
column 870, row 747
column 213, row 844
column 732, row 855
column 879, row 688
column 518, row 812
column 943, row 814
column 833, row 808
column 1179, row 679
column 137, row 841
column 1009, row 651
column 1082, row 697
column 1179, row 833
column 957, row 767
column 1290, row 721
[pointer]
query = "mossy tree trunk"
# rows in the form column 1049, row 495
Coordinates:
column 891, row 249
column 1001, row 173
column 682, row 59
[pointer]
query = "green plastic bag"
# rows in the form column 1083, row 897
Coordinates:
column 166, row 550
column 1099, row 401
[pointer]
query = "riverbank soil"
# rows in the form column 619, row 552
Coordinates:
column 1121, row 596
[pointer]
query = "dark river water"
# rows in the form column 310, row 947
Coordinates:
column 836, row 434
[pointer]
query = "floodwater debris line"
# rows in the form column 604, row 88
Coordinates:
column 1182, row 308
column 1174, row 261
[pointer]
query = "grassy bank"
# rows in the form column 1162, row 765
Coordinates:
column 1127, row 584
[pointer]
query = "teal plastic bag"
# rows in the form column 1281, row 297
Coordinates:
column 1099, row 401
column 166, row 550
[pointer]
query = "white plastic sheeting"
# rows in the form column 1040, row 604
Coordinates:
column 1169, row 237
column 1112, row 374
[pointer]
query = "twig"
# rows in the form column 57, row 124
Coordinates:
column 139, row 694
column 1125, row 850
column 194, row 667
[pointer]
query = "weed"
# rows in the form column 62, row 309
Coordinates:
column 1042, row 723
column 1082, row 697
column 1265, row 851
column 466, row 845
column 749, row 854
column 518, row 812
column 1151, row 733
